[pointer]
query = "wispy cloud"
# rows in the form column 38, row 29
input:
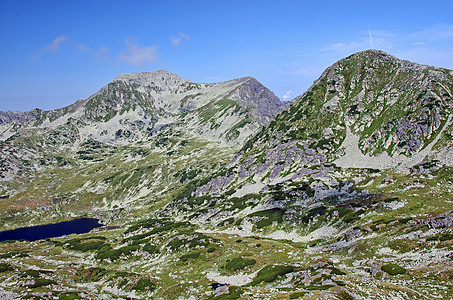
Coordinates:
column 377, row 39
column 138, row 55
column 176, row 40
column 56, row 44
column 100, row 53
column 438, row 57
column 438, row 32
column 53, row 47
column 432, row 45
column 287, row 95
column 296, row 70
column 370, row 36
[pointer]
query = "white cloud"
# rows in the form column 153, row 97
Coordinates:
column 176, row 40
column 296, row 70
column 138, row 55
column 53, row 47
column 431, row 45
column 438, row 32
column 83, row 48
column 438, row 57
column 100, row 53
column 379, row 39
column 287, row 95
column 56, row 44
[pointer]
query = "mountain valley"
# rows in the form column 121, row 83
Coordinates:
column 222, row 191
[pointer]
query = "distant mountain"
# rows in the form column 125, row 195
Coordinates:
column 221, row 191
column 140, row 102
column 140, row 115
column 369, row 110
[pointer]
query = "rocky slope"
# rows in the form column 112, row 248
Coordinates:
column 345, row 194
column 135, row 139
column 141, row 103
column 369, row 110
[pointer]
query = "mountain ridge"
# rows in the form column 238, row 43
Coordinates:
column 220, row 191
column 361, row 114
column 158, row 120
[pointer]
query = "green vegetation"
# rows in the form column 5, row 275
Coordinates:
column 85, row 245
column 191, row 255
column 393, row 269
column 267, row 217
column 297, row 295
column 336, row 271
column 4, row 267
column 271, row 273
column 191, row 241
column 239, row 263
column 151, row 249
column 91, row 274
column 441, row 237
column 157, row 225
column 234, row 292
column 165, row 191
column 39, row 282
column 144, row 284
column 107, row 252
column 69, row 296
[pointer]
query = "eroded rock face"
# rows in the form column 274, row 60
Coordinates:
column 348, row 186
column 164, row 129
column 264, row 105
column 369, row 110
column 444, row 220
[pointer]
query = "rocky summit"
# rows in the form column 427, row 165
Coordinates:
column 222, row 191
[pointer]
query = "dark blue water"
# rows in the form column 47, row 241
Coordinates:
column 42, row 232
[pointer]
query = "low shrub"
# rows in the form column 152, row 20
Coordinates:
column 313, row 287
column 239, row 263
column 31, row 273
column 227, row 222
column 151, row 249
column 191, row 241
column 191, row 255
column 38, row 282
column 270, row 273
column 144, row 284
column 317, row 211
column 69, row 296
column 91, row 274
column 393, row 269
column 234, row 292
column 336, row 271
column 268, row 217
column 107, row 252
column 4, row 267
column 297, row 295
column 444, row 237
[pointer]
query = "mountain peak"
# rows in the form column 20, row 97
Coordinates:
column 372, row 52
column 373, row 58
column 370, row 55
column 157, row 77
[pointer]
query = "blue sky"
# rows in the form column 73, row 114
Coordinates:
column 55, row 52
